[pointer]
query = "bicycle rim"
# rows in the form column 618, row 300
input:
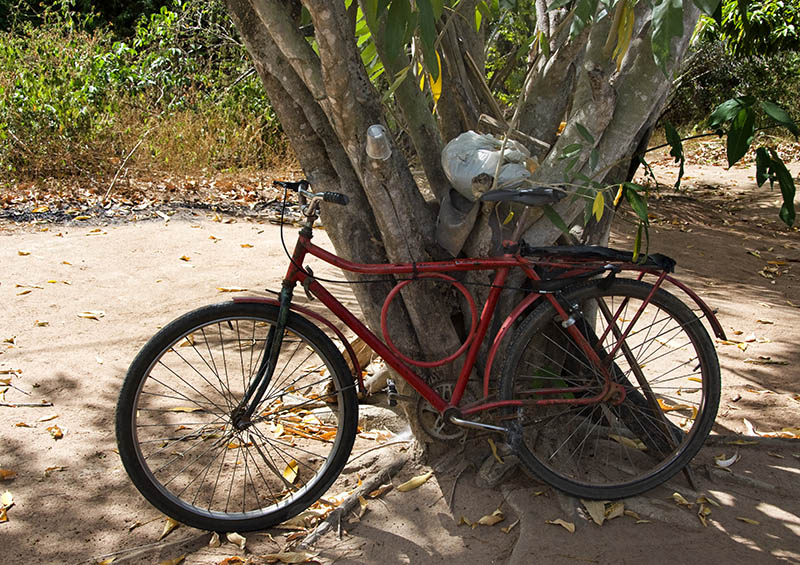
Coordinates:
column 176, row 427
column 668, row 369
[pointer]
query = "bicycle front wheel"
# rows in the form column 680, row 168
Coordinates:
column 667, row 366
column 186, row 450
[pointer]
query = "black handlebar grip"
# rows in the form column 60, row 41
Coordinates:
column 335, row 198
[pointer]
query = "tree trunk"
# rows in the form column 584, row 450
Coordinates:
column 325, row 102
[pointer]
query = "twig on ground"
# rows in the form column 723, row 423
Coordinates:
column 26, row 404
column 385, row 470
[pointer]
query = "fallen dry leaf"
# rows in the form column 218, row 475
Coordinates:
column 491, row 519
column 48, row 418
column 246, row 245
column 679, row 499
column 214, row 541
column 748, row 520
column 510, row 527
column 22, row 425
column 232, row 560
column 236, row 539
column 7, row 499
column 108, row 561
column 596, row 510
column 169, row 525
column 92, row 314
column 231, row 289
column 569, row 526
column 721, row 461
column 3, row 515
column 381, row 490
column 54, row 469
column 23, row 253
column 628, row 442
column 7, row 474
column 186, row 409
column 415, row 482
column 56, row 432
column 289, row 557
column 290, row 472
column 703, row 512
column 494, row 450
column 173, row 561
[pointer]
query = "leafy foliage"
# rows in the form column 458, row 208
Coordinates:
column 758, row 27
column 74, row 100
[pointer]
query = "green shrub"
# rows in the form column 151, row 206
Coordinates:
column 182, row 90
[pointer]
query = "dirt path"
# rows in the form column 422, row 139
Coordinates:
column 74, row 504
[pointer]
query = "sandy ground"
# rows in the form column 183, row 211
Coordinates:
column 74, row 504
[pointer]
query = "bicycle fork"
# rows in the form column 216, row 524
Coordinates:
column 243, row 413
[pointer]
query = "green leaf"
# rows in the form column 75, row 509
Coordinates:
column 584, row 133
column 786, row 182
column 637, row 244
column 740, row 135
column 728, row 110
column 571, row 150
column 599, row 205
column 558, row 4
column 667, row 23
column 638, row 203
column 555, row 218
column 708, row 7
column 676, row 151
column 594, row 158
column 370, row 10
column 396, row 23
column 427, row 32
column 398, row 80
column 780, row 115
column 763, row 162
column 438, row 9
column 584, row 14
column 483, row 11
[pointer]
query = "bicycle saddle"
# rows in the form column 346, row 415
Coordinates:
column 533, row 196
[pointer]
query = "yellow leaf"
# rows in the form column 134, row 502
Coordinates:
column 494, row 451
column 48, row 418
column 232, row 560
column 173, row 561
column 3, row 515
column 7, row 474
column 22, row 425
column 23, row 253
column 246, row 245
column 186, row 409
column 169, row 525
column 362, row 503
column 618, row 196
column 569, row 526
column 509, row 217
column 7, row 499
column 108, row 561
column 24, row 292
column 492, row 519
column 748, row 520
column 185, row 258
column 707, row 500
column 599, row 205
column 741, row 442
column 290, row 556
column 415, row 482
column 436, row 85
column 236, row 539
column 81, row 217
column 41, row 209
column 624, row 32
column 230, row 289
column 290, row 472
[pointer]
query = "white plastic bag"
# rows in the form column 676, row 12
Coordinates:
column 471, row 154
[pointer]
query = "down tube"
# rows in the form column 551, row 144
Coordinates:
column 377, row 345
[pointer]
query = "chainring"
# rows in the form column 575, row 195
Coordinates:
column 434, row 423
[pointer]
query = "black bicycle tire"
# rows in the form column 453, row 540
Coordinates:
column 171, row 334
column 544, row 314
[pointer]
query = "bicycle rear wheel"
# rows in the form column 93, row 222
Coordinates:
column 175, row 419
column 668, row 368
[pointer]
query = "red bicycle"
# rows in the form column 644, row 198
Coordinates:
column 240, row 415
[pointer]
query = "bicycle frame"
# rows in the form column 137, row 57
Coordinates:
column 502, row 266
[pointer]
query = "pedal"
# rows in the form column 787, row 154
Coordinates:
column 392, row 396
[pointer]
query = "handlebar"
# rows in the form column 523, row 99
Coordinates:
column 303, row 186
